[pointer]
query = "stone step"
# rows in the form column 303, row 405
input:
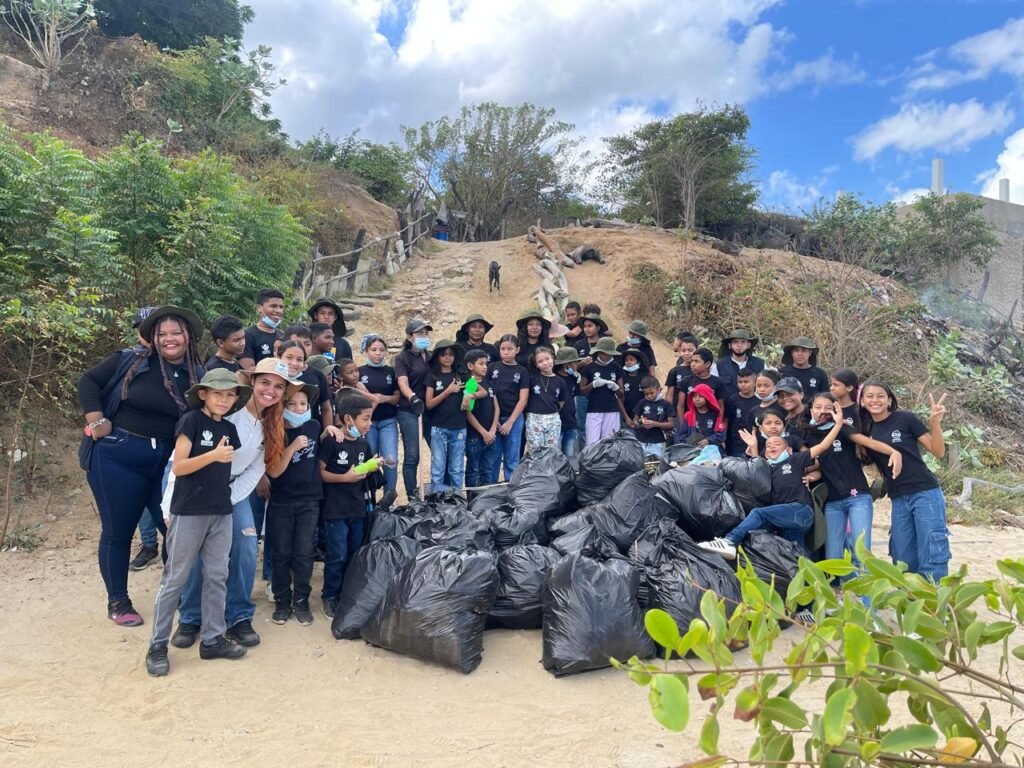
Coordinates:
column 378, row 296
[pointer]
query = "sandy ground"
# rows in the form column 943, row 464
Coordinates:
column 76, row 690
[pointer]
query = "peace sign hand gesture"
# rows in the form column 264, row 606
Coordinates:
column 938, row 410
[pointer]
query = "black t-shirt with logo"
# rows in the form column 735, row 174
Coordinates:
column 323, row 392
column 344, row 501
column 546, row 394
column 380, row 380
column 300, row 480
column 656, row 410
column 602, row 399
column 507, row 381
column 795, row 442
column 718, row 388
column 644, row 347
column 568, row 412
column 840, row 467
column 465, row 348
column 483, row 410
column 814, row 379
column 676, row 379
column 631, row 392
column 526, row 349
column 788, row 480
column 410, row 363
column 259, row 343
column 447, row 414
column 208, row 491
column 901, row 430
column 740, row 411
column 213, row 362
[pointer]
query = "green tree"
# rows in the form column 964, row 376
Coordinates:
column 495, row 163
column 941, row 231
column 50, row 29
column 852, row 231
column 176, row 25
column 384, row 170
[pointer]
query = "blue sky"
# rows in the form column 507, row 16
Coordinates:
column 852, row 95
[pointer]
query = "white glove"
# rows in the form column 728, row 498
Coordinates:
column 612, row 386
column 600, row 383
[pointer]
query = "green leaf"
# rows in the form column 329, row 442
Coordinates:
column 837, row 567
column 779, row 749
column 1012, row 569
column 909, row 737
column 709, row 733
column 713, row 613
column 997, row 630
column 871, row 710
column 785, row 712
column 1019, row 652
column 972, row 635
column 662, row 628
column 869, row 750
column 917, row 654
column 670, row 702
column 911, row 615
column 857, row 645
column 838, row 716
column 746, row 700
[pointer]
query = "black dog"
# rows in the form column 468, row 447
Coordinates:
column 494, row 277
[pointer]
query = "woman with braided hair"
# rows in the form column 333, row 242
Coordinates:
column 132, row 402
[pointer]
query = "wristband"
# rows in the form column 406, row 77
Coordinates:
column 99, row 423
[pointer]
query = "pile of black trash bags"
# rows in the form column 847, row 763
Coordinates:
column 578, row 548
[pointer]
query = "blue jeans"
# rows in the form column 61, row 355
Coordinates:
column 654, row 449
column 792, row 520
column 481, row 460
column 126, row 476
column 409, row 426
column 344, row 537
column 147, row 529
column 383, row 438
column 570, row 442
column 241, row 574
column 855, row 510
column 259, row 517
column 919, row 536
column 582, row 405
column 510, row 448
column 447, row 458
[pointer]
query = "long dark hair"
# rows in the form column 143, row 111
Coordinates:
column 192, row 362
column 542, row 341
column 532, row 363
column 865, row 417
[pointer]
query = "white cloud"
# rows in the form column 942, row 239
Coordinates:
column 604, row 65
column 906, row 196
column 787, row 192
column 1009, row 165
column 973, row 58
column 821, row 72
column 932, row 125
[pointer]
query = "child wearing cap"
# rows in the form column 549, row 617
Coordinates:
column 800, row 361
column 447, row 420
column 637, row 339
column 789, row 396
column 548, row 395
column 735, row 356
column 653, row 418
column 483, row 451
column 567, row 362
column 229, row 338
column 200, row 517
column 703, row 423
column 594, row 329
column 600, row 382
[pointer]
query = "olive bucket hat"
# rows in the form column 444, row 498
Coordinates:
column 606, row 345
column 566, row 355
column 339, row 327
column 219, row 379
column 638, row 328
column 148, row 325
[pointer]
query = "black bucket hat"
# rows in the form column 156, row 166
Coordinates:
column 339, row 328
column 635, row 351
column 148, row 324
column 533, row 314
column 463, row 333
column 802, row 342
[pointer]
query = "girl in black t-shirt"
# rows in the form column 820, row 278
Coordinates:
column 411, row 367
column 548, row 393
column 532, row 330
column 294, row 354
column 381, row 384
column 447, row 420
column 918, row 536
column 843, row 386
column 511, row 384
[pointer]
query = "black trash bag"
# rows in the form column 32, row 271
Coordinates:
column 678, row 574
column 772, row 555
column 552, row 464
column 454, row 528
column 436, row 607
column 522, row 570
column 445, row 501
column 591, row 614
column 367, row 578
column 605, row 464
column 631, row 508
column 489, row 498
column 751, row 481
column 590, row 538
column 645, row 551
column 510, row 524
column 559, row 526
column 678, row 455
column 701, row 494
column 387, row 525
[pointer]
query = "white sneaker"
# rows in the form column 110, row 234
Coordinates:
column 804, row 616
column 270, row 594
column 721, row 547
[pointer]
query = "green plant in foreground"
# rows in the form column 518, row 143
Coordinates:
column 892, row 640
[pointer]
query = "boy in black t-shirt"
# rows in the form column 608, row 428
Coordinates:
column 482, row 448
column 800, row 360
column 652, row 416
column 200, row 517
column 295, row 494
column 260, row 338
column 347, row 470
column 740, row 409
column 790, row 511
column 447, row 420
column 229, row 338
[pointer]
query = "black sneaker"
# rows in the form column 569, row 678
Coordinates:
column 156, row 660
column 144, row 559
column 243, row 634
column 185, row 635
column 282, row 613
column 302, row 613
column 386, row 501
column 328, row 607
column 222, row 648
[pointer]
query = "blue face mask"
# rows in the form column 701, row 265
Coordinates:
column 633, row 342
column 354, row 432
column 780, row 458
column 824, row 427
column 764, row 398
column 631, row 368
column 372, row 364
column 296, row 419
column 270, row 322
column 421, row 343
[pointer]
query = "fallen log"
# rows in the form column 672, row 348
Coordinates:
column 607, row 224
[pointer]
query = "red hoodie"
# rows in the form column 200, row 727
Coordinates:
column 706, row 392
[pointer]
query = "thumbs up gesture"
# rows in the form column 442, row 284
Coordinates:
column 223, row 453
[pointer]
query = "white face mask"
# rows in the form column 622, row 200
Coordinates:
column 631, row 368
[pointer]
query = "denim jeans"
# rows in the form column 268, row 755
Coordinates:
column 241, row 574
column 294, row 524
column 344, row 537
column 510, row 449
column 447, row 458
column 919, row 536
column 481, row 460
column 261, row 519
column 792, row 520
column 582, row 404
column 409, row 426
column 570, row 442
column 126, row 477
column 147, row 529
column 654, row 449
column 383, row 439
column 855, row 510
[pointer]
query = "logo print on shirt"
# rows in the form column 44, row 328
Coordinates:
column 365, row 379
column 814, row 382
column 516, row 378
column 343, row 457
column 897, row 436
column 647, row 410
column 438, row 385
column 536, row 389
column 265, row 349
column 389, row 380
column 207, row 441
column 494, row 373
column 837, row 446
column 787, row 469
column 361, row 457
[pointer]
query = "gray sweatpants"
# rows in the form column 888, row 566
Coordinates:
column 189, row 538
